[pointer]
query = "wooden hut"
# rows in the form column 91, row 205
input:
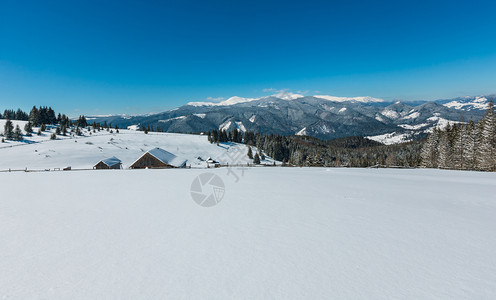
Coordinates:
column 108, row 163
column 212, row 163
column 158, row 158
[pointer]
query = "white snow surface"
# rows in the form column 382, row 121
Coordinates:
column 379, row 118
column 230, row 101
column 412, row 115
column 133, row 127
column 390, row 114
column 303, row 131
column 200, row 115
column 240, row 126
column 225, row 125
column 391, row 138
column 413, row 127
column 280, row 233
column 478, row 103
column 440, row 122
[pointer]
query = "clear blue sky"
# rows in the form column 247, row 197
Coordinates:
column 143, row 56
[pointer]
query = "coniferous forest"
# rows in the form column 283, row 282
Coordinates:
column 463, row 146
column 310, row 151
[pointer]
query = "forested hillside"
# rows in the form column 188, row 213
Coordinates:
column 470, row 146
column 309, row 151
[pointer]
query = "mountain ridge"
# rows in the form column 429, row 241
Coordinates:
column 326, row 117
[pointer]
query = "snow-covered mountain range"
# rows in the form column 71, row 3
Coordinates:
column 320, row 116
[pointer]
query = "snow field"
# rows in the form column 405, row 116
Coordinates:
column 278, row 233
column 85, row 151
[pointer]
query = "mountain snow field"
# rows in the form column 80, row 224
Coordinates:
column 283, row 233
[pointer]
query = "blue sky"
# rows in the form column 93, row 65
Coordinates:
column 148, row 56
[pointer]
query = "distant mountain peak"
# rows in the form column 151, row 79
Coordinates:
column 365, row 99
column 285, row 95
column 230, row 101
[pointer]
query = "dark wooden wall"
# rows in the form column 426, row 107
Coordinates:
column 149, row 161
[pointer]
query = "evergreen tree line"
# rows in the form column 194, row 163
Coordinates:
column 348, row 152
column 14, row 115
column 37, row 116
column 43, row 116
column 150, row 128
column 309, row 151
column 46, row 115
column 222, row 136
column 470, row 146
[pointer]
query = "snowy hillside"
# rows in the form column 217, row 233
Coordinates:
column 279, row 233
column 468, row 103
column 83, row 152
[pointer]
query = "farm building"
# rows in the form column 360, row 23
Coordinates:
column 108, row 163
column 158, row 158
column 212, row 163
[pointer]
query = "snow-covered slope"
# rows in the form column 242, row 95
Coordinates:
column 281, row 233
column 391, row 138
column 469, row 103
column 85, row 152
column 230, row 101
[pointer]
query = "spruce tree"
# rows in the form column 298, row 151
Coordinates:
column 256, row 160
column 459, row 145
column 469, row 145
column 28, row 128
column 17, row 135
column 430, row 150
column 8, row 130
column 250, row 153
column 34, row 116
column 486, row 147
column 444, row 151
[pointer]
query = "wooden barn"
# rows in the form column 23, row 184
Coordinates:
column 108, row 163
column 158, row 158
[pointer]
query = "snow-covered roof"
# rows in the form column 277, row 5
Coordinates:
column 167, row 158
column 111, row 161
